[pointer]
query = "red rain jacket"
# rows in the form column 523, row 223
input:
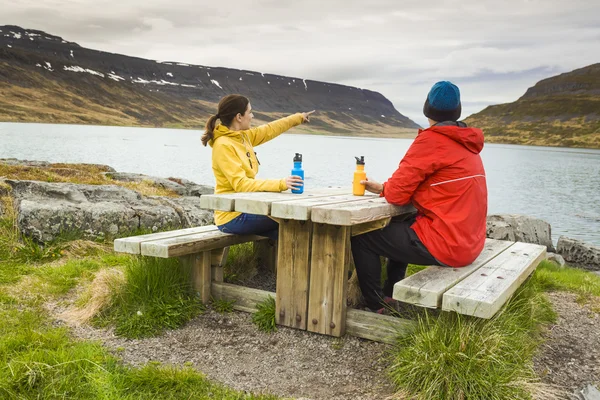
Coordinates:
column 443, row 177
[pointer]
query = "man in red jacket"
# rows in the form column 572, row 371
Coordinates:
column 443, row 177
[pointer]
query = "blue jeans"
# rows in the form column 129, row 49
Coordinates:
column 252, row 224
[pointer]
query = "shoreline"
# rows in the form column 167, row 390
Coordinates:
column 403, row 133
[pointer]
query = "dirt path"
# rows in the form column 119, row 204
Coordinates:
column 570, row 356
column 229, row 349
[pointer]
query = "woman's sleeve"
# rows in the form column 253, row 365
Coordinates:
column 264, row 133
column 226, row 159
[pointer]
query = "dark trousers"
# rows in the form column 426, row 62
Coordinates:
column 400, row 245
column 252, row 224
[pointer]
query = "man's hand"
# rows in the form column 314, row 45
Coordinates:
column 372, row 186
column 306, row 116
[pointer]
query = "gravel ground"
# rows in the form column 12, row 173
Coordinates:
column 570, row 356
column 228, row 348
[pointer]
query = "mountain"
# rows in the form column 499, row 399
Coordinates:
column 563, row 110
column 44, row 78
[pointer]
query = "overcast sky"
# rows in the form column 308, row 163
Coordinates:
column 398, row 48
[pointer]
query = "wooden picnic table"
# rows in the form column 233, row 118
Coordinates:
column 313, row 248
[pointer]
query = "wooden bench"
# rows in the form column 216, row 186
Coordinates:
column 479, row 289
column 204, row 248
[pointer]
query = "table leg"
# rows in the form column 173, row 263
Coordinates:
column 293, row 261
column 328, row 275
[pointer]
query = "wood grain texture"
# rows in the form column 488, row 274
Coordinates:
column 483, row 293
column 357, row 212
column 228, row 201
column 293, row 269
column 246, row 299
column 201, row 274
column 328, row 275
column 426, row 287
column 363, row 324
column 300, row 209
column 132, row 244
column 377, row 327
column 190, row 244
column 369, row 226
column 266, row 251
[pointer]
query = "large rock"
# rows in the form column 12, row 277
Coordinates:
column 579, row 253
column 520, row 228
column 45, row 164
column 183, row 187
column 47, row 209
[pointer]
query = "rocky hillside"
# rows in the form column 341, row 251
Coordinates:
column 560, row 111
column 44, row 78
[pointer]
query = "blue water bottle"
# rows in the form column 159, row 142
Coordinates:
column 298, row 171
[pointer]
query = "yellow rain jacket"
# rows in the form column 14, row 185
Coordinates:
column 235, row 165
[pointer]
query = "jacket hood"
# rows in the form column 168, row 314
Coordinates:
column 471, row 138
column 221, row 130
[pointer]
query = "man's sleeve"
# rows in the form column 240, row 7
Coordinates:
column 226, row 160
column 420, row 161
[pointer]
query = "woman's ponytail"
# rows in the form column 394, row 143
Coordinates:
column 208, row 130
column 229, row 106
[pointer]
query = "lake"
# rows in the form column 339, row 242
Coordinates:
column 558, row 185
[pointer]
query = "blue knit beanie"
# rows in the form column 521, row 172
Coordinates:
column 443, row 102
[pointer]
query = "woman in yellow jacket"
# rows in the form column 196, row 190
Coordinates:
column 235, row 164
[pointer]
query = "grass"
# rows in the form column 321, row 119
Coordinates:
column 458, row 357
column 156, row 295
column 242, row 263
column 38, row 360
column 549, row 276
column 453, row 356
column 223, row 306
column 89, row 174
column 447, row 357
column 264, row 318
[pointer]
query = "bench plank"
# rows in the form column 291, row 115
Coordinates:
column 426, row 287
column 299, row 209
column 483, row 293
column 132, row 244
column 190, row 244
column 357, row 212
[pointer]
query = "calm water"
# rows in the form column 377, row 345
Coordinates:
column 559, row 185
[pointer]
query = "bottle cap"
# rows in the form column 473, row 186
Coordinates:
column 360, row 161
column 298, row 157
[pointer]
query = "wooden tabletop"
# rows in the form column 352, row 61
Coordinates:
column 333, row 205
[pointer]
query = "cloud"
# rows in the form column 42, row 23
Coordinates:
column 397, row 48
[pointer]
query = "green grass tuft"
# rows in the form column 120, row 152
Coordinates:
column 550, row 276
column 62, row 278
column 40, row 361
column 458, row 357
column 264, row 318
column 223, row 306
column 157, row 295
column 242, row 263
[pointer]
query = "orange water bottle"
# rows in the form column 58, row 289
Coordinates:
column 358, row 189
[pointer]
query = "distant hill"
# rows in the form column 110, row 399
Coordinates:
column 44, row 78
column 563, row 110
